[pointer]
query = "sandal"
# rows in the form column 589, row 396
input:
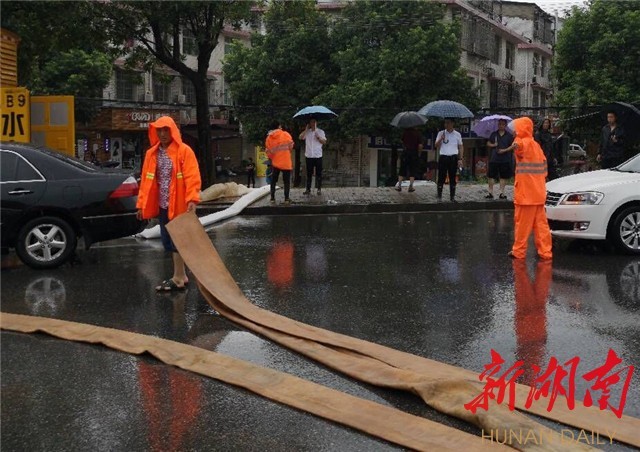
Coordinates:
column 503, row 196
column 489, row 196
column 411, row 189
column 169, row 285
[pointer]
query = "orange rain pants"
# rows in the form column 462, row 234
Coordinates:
column 527, row 218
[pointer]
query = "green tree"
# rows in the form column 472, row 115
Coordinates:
column 393, row 56
column 156, row 29
column 55, row 55
column 284, row 69
column 597, row 54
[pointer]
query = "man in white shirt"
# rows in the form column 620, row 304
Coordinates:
column 314, row 138
column 449, row 145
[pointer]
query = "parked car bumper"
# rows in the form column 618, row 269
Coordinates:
column 579, row 222
column 107, row 227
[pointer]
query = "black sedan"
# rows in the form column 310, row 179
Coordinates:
column 50, row 200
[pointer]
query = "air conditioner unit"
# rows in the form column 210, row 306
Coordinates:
column 182, row 99
column 148, row 97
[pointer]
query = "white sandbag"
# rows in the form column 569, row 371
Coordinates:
column 225, row 190
column 234, row 209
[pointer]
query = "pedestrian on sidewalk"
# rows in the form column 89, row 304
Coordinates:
column 545, row 140
column 278, row 146
column 449, row 145
column 314, row 137
column 251, row 173
column 529, row 193
column 500, row 161
column 410, row 162
column 611, row 143
column 170, row 185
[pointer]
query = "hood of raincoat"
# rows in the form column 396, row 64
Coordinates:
column 164, row 121
column 521, row 127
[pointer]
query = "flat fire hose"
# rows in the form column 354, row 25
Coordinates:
column 378, row 420
column 442, row 386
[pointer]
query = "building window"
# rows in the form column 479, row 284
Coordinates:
column 124, row 85
column 189, row 91
column 161, row 88
column 536, row 98
column 189, row 44
column 510, row 56
column 497, row 49
column 536, row 63
column 543, row 66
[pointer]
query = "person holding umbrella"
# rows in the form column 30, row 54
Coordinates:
column 278, row 146
column 314, row 137
column 449, row 145
column 410, row 163
column 611, row 143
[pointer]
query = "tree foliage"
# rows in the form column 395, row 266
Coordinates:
column 283, row 70
column 373, row 60
column 394, row 56
column 155, row 28
column 597, row 54
column 55, row 55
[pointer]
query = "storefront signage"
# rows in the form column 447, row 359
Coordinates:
column 143, row 118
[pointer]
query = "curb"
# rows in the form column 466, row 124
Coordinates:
column 323, row 209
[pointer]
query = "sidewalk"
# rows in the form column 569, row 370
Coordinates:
column 334, row 200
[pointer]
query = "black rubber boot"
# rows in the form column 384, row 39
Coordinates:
column 439, row 192
column 452, row 189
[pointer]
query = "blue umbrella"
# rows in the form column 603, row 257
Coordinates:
column 489, row 124
column 445, row 109
column 315, row 112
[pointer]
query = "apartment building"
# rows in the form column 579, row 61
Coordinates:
column 132, row 100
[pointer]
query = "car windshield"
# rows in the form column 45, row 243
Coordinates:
column 630, row 166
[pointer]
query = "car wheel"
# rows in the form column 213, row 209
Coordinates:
column 625, row 232
column 46, row 242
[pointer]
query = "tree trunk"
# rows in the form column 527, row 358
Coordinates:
column 204, row 133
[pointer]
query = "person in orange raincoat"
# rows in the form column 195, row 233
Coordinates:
column 170, row 185
column 530, row 192
column 278, row 146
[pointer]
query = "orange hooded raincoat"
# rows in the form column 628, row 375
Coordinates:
column 278, row 146
column 185, row 175
column 530, row 192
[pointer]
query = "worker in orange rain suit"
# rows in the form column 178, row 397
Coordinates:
column 170, row 185
column 529, row 192
column 278, row 146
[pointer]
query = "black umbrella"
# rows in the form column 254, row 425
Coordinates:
column 628, row 116
column 407, row 119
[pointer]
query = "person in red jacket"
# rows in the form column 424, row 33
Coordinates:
column 530, row 192
column 278, row 146
column 170, row 185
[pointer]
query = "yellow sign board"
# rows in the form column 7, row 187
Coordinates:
column 15, row 118
column 261, row 162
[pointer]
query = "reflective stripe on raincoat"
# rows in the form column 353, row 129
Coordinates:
column 185, row 174
column 531, row 166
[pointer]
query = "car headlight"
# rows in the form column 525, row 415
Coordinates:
column 583, row 198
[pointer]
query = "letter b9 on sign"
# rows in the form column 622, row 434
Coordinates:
column 15, row 122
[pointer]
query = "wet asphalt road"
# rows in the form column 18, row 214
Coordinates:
column 433, row 284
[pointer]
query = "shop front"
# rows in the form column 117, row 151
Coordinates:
column 119, row 136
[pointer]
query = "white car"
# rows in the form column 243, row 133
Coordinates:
column 598, row 205
column 576, row 152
